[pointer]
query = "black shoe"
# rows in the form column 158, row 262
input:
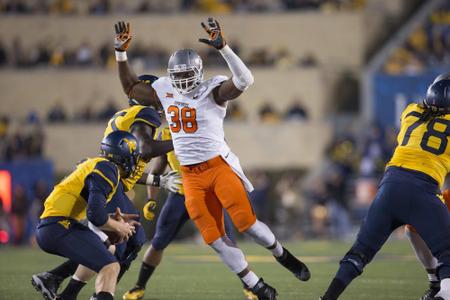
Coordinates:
column 47, row 284
column 264, row 291
column 432, row 291
column 437, row 298
column 290, row 262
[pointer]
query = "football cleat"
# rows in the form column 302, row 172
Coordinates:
column 432, row 291
column 249, row 295
column 437, row 298
column 47, row 284
column 290, row 262
column 264, row 291
column 135, row 293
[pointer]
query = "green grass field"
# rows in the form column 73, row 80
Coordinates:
column 193, row 272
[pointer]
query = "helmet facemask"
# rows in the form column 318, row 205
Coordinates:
column 187, row 79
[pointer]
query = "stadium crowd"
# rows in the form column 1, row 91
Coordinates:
column 52, row 53
column 103, row 7
column 428, row 46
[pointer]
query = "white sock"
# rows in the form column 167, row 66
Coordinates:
column 278, row 250
column 231, row 255
column 445, row 289
column 432, row 277
column 261, row 234
column 250, row 279
column 74, row 276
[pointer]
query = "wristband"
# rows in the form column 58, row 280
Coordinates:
column 121, row 56
column 153, row 180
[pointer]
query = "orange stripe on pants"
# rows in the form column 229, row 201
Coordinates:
column 210, row 187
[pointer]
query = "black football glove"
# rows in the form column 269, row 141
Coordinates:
column 216, row 38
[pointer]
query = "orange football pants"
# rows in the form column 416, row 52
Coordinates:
column 209, row 187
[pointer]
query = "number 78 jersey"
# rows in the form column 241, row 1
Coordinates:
column 195, row 120
column 423, row 146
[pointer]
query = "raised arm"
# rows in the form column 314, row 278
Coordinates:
column 133, row 88
column 242, row 77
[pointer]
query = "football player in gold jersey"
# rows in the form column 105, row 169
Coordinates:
column 84, row 194
column 423, row 253
column 142, row 122
column 409, row 192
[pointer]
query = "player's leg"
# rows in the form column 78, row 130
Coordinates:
column 430, row 218
column 79, row 279
column 78, row 243
column 233, row 197
column 427, row 259
column 48, row 282
column 374, row 231
column 207, row 214
column 171, row 219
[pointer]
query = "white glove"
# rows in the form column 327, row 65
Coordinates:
column 171, row 181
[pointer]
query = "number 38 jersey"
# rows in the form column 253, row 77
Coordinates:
column 423, row 146
column 195, row 120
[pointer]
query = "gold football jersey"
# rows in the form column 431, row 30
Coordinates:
column 69, row 197
column 423, row 146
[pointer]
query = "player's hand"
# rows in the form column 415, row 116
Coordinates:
column 171, row 181
column 149, row 210
column 123, row 36
column 124, row 230
column 128, row 218
column 216, row 38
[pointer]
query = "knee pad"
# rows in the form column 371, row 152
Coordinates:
column 232, row 256
column 358, row 259
column 261, row 234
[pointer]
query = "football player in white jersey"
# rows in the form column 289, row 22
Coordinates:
column 212, row 176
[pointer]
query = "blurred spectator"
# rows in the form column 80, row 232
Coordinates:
column 296, row 111
column 428, row 46
column 86, row 114
column 259, row 196
column 3, row 54
column 57, row 114
column 268, row 114
column 235, row 112
column 19, row 212
column 40, row 193
column 84, row 55
column 100, row 7
column 108, row 110
column 308, row 61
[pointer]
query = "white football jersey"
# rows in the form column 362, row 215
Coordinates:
column 195, row 120
column 196, row 123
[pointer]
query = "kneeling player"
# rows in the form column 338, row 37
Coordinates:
column 84, row 193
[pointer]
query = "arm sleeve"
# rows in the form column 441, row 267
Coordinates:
column 96, row 208
column 102, row 184
column 242, row 76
